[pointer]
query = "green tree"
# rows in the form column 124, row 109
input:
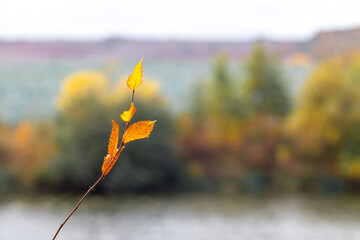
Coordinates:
column 208, row 135
column 219, row 94
column 264, row 85
column 236, row 126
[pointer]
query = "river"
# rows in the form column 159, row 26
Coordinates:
column 199, row 217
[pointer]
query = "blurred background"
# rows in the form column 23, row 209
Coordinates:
column 258, row 119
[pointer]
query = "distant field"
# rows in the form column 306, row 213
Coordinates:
column 28, row 89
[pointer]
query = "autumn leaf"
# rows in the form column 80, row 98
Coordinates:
column 127, row 115
column 112, row 149
column 134, row 79
column 138, row 130
column 114, row 139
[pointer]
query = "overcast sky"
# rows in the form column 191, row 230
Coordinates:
column 174, row 19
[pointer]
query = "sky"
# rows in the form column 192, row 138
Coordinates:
column 174, row 19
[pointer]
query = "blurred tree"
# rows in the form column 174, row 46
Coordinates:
column 265, row 153
column 24, row 149
column 31, row 146
column 82, row 131
column 207, row 135
column 82, row 84
column 81, row 134
column 264, row 85
column 326, row 123
column 7, row 176
column 4, row 148
column 236, row 126
column 262, row 136
column 218, row 95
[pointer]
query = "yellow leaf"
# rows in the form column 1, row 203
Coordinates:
column 138, row 130
column 127, row 115
column 134, row 79
column 112, row 149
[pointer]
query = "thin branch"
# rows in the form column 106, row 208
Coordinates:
column 90, row 190
column 119, row 150
column 78, row 204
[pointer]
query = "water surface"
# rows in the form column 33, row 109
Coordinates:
column 184, row 218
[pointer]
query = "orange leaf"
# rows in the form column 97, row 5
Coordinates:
column 138, row 130
column 134, row 79
column 112, row 149
column 106, row 164
column 127, row 115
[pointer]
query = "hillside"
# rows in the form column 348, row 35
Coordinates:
column 120, row 48
column 323, row 44
column 328, row 43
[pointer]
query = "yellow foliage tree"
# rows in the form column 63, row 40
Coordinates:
column 82, row 84
column 326, row 121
